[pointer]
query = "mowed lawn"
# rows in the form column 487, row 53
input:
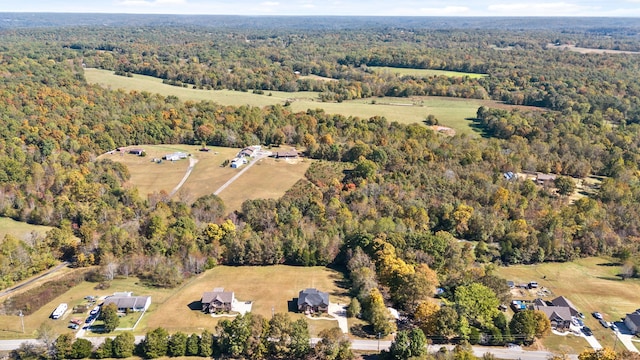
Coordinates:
column 591, row 284
column 21, row 230
column 451, row 112
column 270, row 288
column 424, row 72
column 269, row 178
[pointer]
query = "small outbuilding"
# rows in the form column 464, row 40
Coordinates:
column 138, row 152
column 175, row 156
column 312, row 300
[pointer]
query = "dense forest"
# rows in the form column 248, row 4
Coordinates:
column 400, row 208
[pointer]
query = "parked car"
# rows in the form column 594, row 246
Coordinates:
column 587, row 331
column 614, row 327
column 580, row 322
column 74, row 326
column 597, row 315
column 95, row 311
column 604, row 323
column 581, row 315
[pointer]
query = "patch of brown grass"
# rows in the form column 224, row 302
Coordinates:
column 268, row 179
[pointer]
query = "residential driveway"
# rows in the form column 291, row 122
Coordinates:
column 593, row 342
column 625, row 336
column 339, row 312
column 242, row 307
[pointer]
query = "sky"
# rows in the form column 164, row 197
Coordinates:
column 601, row 8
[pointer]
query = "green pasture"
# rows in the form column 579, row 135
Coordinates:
column 424, row 72
column 20, row 230
column 451, row 112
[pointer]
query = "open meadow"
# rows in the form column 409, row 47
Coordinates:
column 269, row 178
column 424, row 72
column 451, row 112
column 591, row 284
column 20, row 230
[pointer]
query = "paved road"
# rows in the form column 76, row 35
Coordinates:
column 260, row 156
column 33, row 279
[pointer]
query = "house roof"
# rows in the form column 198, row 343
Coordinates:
column 634, row 318
column 225, row 297
column 545, row 177
column 555, row 312
column 127, row 302
column 313, row 297
column 564, row 302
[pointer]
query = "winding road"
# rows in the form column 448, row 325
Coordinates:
column 33, row 279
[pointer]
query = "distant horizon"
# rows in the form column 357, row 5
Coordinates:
column 370, row 8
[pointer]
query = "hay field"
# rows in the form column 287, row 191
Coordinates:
column 591, row 284
column 269, row 178
column 269, row 287
column 424, row 72
column 21, row 230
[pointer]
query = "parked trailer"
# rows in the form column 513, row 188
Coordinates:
column 59, row 311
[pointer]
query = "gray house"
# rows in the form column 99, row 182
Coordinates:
column 313, row 300
column 633, row 322
column 217, row 300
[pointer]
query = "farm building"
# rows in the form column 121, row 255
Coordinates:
column 217, row 300
column 542, row 179
column 138, row 152
column 313, row 300
column 632, row 321
column 127, row 302
column 291, row 154
column 237, row 162
column 175, row 156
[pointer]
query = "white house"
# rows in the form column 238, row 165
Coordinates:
column 175, row 156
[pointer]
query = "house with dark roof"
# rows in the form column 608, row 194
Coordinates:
column 632, row 321
column 559, row 311
column 312, row 300
column 126, row 302
column 217, row 300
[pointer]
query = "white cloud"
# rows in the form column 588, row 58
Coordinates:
column 541, row 9
column 270, row 3
column 445, row 11
column 150, row 2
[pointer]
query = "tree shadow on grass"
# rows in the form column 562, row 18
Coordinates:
column 612, row 278
column 477, row 126
column 610, row 264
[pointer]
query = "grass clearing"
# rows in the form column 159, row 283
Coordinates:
column 592, row 284
column 271, row 288
column 21, row 230
column 451, row 112
column 268, row 179
column 424, row 72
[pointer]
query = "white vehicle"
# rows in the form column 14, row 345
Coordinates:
column 95, row 311
column 59, row 311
